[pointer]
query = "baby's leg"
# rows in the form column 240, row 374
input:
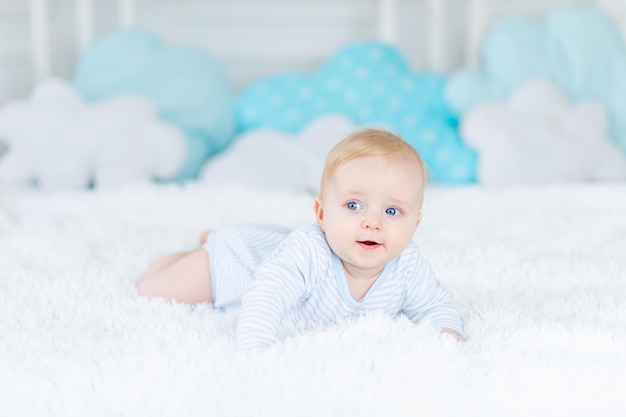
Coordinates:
column 165, row 261
column 181, row 276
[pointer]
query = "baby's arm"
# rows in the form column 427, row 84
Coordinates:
column 279, row 285
column 427, row 299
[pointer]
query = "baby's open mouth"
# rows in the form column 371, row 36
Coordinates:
column 368, row 244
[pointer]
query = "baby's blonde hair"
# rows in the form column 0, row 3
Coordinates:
column 371, row 142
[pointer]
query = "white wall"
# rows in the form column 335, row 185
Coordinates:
column 256, row 38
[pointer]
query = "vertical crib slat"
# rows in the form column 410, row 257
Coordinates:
column 40, row 39
column 617, row 10
column 437, row 40
column 478, row 10
column 85, row 24
column 127, row 12
column 387, row 24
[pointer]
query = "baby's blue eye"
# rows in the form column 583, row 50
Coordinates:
column 353, row 205
column 392, row 211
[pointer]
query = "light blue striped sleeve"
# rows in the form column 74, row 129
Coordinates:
column 426, row 299
column 279, row 285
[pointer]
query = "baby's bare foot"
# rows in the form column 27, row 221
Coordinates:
column 203, row 237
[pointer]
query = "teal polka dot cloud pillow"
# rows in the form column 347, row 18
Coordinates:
column 372, row 84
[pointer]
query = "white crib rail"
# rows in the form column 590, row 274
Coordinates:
column 85, row 30
column 432, row 53
column 386, row 16
column 482, row 13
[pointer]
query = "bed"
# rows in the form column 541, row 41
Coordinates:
column 538, row 270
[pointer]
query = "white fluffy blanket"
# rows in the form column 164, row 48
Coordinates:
column 540, row 275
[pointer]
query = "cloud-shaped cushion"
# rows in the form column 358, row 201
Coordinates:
column 272, row 159
column 59, row 141
column 189, row 87
column 579, row 49
column 539, row 136
column 371, row 83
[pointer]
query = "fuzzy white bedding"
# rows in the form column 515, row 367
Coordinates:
column 539, row 273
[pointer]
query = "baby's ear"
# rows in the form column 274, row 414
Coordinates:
column 319, row 212
column 419, row 219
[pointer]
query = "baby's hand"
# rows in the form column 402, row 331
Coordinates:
column 454, row 333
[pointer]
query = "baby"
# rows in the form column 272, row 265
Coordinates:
column 358, row 258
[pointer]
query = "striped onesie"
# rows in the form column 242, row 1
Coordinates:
column 274, row 277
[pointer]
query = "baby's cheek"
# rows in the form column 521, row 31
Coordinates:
column 402, row 239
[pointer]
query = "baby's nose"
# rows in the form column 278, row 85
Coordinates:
column 371, row 222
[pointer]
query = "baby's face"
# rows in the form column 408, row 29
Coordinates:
column 369, row 212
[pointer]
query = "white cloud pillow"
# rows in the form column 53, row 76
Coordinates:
column 271, row 159
column 539, row 136
column 59, row 141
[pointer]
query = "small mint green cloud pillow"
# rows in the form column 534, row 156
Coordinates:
column 579, row 49
column 189, row 88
